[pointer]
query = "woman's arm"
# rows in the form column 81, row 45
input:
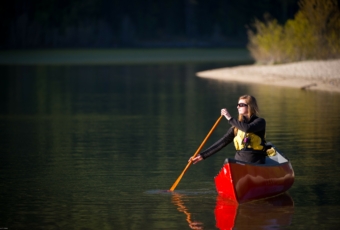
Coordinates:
column 217, row 146
column 220, row 144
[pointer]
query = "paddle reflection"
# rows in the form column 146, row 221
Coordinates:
column 177, row 200
column 265, row 214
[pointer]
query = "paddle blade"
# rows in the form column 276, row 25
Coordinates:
column 197, row 151
column 179, row 178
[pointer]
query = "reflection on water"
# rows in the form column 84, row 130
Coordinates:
column 80, row 145
column 177, row 200
column 272, row 213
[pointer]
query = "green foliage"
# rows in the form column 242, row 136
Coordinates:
column 265, row 44
column 314, row 33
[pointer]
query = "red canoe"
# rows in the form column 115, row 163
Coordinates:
column 243, row 182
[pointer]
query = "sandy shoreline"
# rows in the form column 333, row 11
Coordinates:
column 308, row 75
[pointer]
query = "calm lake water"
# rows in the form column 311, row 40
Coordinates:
column 97, row 147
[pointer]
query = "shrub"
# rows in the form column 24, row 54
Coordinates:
column 265, row 44
column 314, row 33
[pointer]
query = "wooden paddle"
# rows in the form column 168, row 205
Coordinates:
column 197, row 151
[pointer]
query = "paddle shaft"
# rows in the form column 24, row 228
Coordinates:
column 197, row 151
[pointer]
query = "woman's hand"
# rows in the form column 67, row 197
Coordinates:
column 196, row 159
column 224, row 112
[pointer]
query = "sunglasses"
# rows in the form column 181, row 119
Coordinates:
column 242, row 105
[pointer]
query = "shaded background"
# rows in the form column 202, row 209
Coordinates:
column 134, row 23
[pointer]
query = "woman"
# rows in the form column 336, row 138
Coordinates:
column 247, row 133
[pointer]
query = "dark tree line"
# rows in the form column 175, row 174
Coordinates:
column 133, row 23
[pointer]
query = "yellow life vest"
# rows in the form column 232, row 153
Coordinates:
column 255, row 141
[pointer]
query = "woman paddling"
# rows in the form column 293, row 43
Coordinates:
column 247, row 133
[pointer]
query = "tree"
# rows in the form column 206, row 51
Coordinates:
column 314, row 33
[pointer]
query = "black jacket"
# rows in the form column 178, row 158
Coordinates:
column 255, row 125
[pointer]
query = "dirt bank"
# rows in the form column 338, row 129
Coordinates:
column 307, row 75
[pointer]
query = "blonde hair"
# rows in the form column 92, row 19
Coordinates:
column 253, row 109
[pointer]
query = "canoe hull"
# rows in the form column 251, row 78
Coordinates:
column 243, row 182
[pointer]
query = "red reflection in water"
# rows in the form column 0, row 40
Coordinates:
column 270, row 213
column 264, row 214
